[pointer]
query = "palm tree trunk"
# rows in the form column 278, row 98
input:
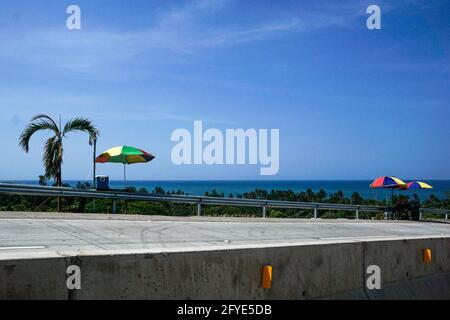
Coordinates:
column 58, row 209
column 59, row 183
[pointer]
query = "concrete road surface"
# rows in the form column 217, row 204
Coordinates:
column 35, row 235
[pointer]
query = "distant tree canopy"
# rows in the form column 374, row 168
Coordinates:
column 404, row 207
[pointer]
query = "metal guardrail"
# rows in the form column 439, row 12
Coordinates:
column 444, row 212
column 32, row 190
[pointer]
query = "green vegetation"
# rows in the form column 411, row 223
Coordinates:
column 53, row 148
column 403, row 206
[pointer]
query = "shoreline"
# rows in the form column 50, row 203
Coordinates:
column 235, row 187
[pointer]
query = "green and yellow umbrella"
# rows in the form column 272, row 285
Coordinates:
column 124, row 155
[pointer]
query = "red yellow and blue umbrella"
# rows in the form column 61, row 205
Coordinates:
column 418, row 185
column 387, row 182
column 124, row 155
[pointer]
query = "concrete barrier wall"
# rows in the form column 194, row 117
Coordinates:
column 299, row 272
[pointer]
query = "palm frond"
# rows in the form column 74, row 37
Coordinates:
column 81, row 124
column 32, row 128
column 46, row 117
column 92, row 139
column 50, row 157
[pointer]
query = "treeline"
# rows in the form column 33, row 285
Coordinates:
column 403, row 206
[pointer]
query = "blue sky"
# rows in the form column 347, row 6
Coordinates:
column 350, row 103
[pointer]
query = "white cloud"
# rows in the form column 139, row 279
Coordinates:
column 181, row 32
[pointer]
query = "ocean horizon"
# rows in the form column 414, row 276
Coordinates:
column 441, row 188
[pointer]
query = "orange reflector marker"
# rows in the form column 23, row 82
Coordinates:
column 267, row 277
column 427, row 255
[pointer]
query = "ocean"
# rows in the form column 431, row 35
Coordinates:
column 441, row 188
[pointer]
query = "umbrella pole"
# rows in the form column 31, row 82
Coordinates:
column 124, row 176
column 392, row 201
column 125, row 183
column 94, row 173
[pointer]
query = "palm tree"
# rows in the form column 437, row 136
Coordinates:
column 53, row 148
column 93, row 142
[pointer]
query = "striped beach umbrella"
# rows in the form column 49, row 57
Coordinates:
column 124, row 155
column 387, row 182
column 418, row 185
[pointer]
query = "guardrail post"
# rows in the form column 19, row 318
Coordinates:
column 315, row 213
column 114, row 207
column 264, row 212
column 357, row 214
column 199, row 209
